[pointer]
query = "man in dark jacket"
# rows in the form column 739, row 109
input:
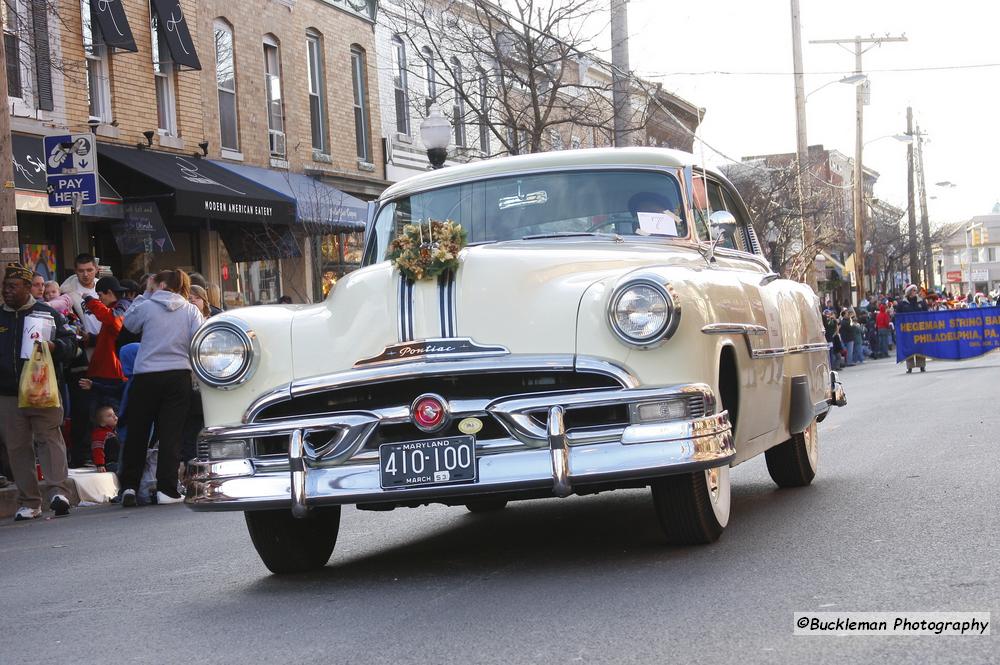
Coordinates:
column 24, row 429
column 911, row 302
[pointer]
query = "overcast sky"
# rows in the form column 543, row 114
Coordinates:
column 751, row 114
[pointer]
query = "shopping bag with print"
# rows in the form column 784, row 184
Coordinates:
column 39, row 389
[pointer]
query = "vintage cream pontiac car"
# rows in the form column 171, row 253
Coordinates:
column 611, row 324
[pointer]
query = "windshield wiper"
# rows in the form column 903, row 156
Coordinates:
column 574, row 234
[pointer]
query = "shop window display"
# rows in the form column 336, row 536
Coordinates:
column 340, row 253
column 249, row 282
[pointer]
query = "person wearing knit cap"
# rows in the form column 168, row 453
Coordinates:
column 911, row 302
column 22, row 430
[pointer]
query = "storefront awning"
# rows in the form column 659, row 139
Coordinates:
column 316, row 203
column 114, row 24
column 176, row 32
column 199, row 188
column 31, row 193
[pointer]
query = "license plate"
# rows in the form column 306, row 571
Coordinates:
column 428, row 462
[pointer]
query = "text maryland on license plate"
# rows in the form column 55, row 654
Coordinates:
column 429, row 462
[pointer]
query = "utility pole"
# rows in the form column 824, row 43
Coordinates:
column 620, row 71
column 911, row 213
column 859, row 185
column 925, row 225
column 802, row 150
column 9, row 247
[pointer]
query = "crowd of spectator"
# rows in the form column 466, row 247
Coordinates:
column 868, row 331
column 120, row 356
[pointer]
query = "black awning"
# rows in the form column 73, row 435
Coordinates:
column 114, row 25
column 174, row 29
column 198, row 187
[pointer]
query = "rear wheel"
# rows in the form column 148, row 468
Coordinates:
column 693, row 508
column 290, row 545
column 793, row 463
column 486, row 505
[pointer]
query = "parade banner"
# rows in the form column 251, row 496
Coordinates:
column 952, row 334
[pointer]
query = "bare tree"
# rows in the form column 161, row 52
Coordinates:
column 771, row 198
column 519, row 74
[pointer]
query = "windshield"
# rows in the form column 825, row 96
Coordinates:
column 543, row 204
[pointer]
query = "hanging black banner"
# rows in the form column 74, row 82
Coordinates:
column 174, row 29
column 115, row 29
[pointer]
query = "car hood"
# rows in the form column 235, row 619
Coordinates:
column 522, row 295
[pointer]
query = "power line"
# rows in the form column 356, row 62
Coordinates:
column 722, row 72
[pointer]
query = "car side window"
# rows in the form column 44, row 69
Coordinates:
column 708, row 197
column 734, row 206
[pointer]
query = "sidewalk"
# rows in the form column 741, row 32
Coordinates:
column 85, row 485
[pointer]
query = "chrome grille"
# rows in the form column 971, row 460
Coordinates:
column 401, row 392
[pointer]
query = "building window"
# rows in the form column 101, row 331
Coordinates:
column 98, row 67
column 399, row 85
column 430, row 79
column 272, row 92
column 458, row 109
column 163, row 72
column 556, row 139
column 358, row 75
column 225, row 78
column 317, row 91
column 484, row 112
column 15, row 32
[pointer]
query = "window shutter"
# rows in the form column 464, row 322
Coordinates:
column 43, row 65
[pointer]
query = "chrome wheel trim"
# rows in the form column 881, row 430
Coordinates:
column 811, row 441
column 717, row 485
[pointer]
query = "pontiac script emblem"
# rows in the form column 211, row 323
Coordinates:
column 434, row 349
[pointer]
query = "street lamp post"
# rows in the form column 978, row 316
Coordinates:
column 435, row 132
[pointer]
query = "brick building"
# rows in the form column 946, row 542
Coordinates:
column 422, row 64
column 258, row 122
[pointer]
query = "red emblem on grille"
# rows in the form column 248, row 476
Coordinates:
column 429, row 413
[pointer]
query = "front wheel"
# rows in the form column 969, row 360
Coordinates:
column 693, row 508
column 793, row 463
column 288, row 544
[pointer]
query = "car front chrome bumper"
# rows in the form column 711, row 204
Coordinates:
column 547, row 458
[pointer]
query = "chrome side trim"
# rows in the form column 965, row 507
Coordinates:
column 733, row 329
column 748, row 330
column 810, row 348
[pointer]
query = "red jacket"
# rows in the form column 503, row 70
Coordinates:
column 882, row 318
column 104, row 364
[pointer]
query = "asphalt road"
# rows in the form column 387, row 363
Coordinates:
column 903, row 516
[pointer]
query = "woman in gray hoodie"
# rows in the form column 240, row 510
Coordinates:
column 160, row 388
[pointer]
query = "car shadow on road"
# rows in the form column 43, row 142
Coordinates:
column 573, row 539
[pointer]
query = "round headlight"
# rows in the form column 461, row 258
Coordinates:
column 222, row 354
column 642, row 312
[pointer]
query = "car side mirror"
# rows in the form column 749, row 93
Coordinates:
column 722, row 223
